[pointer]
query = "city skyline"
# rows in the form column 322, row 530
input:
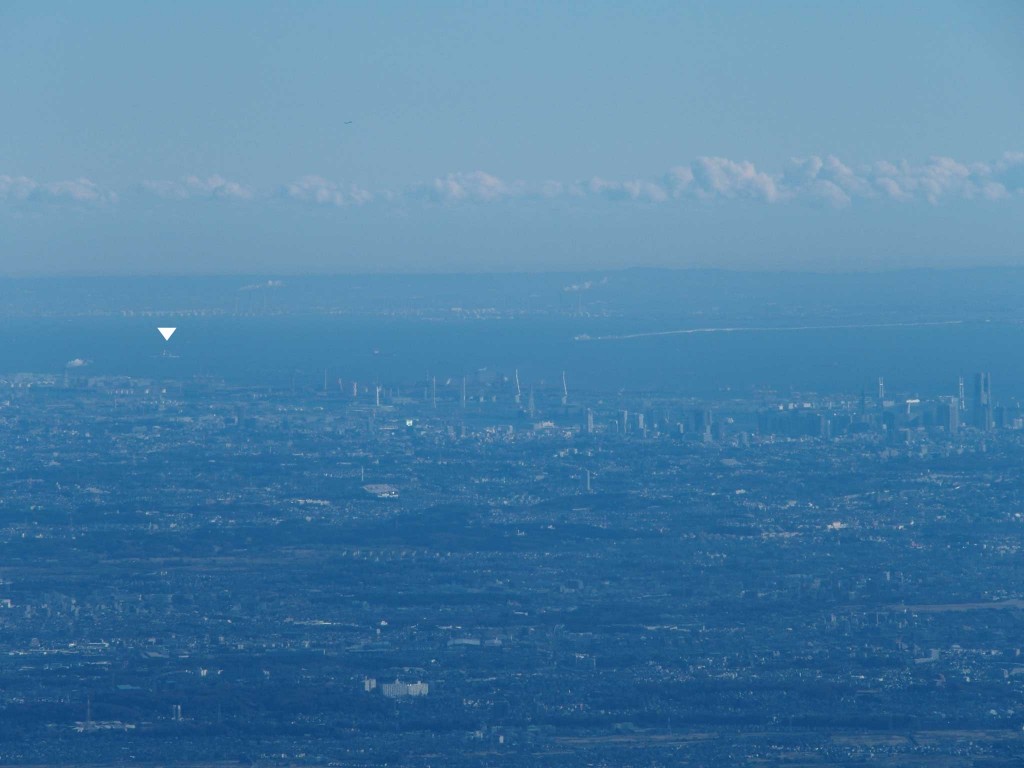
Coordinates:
column 548, row 385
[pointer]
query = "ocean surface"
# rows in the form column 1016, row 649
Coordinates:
column 296, row 349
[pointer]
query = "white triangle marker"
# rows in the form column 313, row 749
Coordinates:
column 167, row 333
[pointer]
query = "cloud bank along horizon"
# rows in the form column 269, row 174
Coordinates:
column 420, row 137
column 804, row 179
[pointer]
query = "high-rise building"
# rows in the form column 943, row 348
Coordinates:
column 947, row 415
column 701, row 419
column 398, row 689
column 981, row 404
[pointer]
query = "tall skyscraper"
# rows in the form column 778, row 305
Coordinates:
column 702, row 424
column 947, row 415
column 981, row 404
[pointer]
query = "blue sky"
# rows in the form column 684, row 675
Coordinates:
column 272, row 137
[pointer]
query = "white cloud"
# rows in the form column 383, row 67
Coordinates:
column 706, row 177
column 1008, row 173
column 474, row 186
column 812, row 179
column 809, row 179
column 212, row 187
column 16, row 187
column 74, row 191
column 943, row 178
column 678, row 180
column 79, row 190
column 829, row 180
column 636, row 189
column 722, row 177
column 314, row 189
column 844, row 177
column 552, row 189
column 832, row 181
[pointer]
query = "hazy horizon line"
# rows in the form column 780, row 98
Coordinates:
column 501, row 272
